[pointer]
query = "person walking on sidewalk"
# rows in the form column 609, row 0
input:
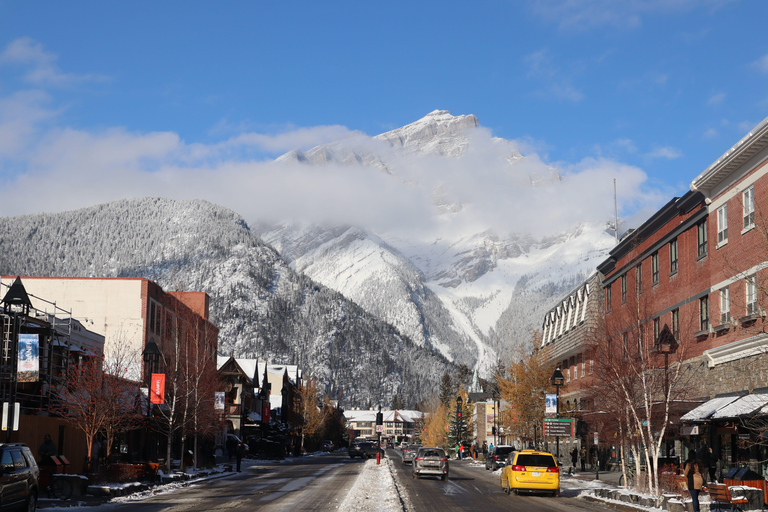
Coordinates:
column 574, row 457
column 583, row 456
column 692, row 472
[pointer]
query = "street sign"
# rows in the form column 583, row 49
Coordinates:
column 558, row 427
column 379, row 428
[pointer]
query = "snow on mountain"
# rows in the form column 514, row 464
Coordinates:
column 471, row 293
column 262, row 307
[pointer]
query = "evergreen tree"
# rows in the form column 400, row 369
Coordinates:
column 447, row 391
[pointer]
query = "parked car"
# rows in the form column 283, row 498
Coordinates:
column 530, row 470
column 364, row 450
column 430, row 461
column 327, row 446
column 19, row 476
column 409, row 452
column 497, row 456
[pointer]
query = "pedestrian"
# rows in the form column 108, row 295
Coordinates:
column 47, row 450
column 583, row 456
column 704, row 457
column 461, row 451
column 240, row 451
column 231, row 445
column 574, row 457
column 485, row 449
column 692, row 472
column 713, row 462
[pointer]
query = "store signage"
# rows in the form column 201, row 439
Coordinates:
column 157, row 390
column 690, row 431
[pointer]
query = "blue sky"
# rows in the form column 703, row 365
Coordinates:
column 89, row 90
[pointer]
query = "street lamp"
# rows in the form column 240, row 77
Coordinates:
column 557, row 380
column 495, row 416
column 459, row 403
column 666, row 344
column 151, row 357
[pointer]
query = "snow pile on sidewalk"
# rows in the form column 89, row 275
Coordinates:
column 374, row 490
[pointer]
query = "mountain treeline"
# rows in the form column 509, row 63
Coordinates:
column 263, row 308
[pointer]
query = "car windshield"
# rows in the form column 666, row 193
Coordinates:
column 503, row 450
column 432, row 453
column 537, row 459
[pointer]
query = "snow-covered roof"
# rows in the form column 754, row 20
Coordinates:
column 745, row 405
column 707, row 409
column 399, row 415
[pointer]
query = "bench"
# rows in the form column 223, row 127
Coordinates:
column 720, row 495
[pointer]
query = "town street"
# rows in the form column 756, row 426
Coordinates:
column 471, row 487
column 323, row 482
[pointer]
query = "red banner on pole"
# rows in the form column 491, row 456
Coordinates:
column 157, row 391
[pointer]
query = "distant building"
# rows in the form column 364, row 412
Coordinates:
column 398, row 424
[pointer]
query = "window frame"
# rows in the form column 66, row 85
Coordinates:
column 704, row 313
column 722, row 225
column 748, row 208
column 673, row 257
column 655, row 268
column 608, row 298
column 676, row 323
column 624, row 289
column 725, row 305
column 701, row 239
column 639, row 279
column 750, row 294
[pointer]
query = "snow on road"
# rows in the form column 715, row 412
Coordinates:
column 374, row 490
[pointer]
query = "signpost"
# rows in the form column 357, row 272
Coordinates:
column 558, row 427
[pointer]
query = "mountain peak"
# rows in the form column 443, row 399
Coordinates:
column 438, row 132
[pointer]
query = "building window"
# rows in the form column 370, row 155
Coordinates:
column 701, row 231
column 624, row 288
column 583, row 366
column 655, row 267
column 725, row 306
column 673, row 256
column 575, row 366
column 608, row 299
column 704, row 312
column 676, row 323
column 722, row 224
column 656, row 329
column 749, row 208
column 751, row 295
column 639, row 278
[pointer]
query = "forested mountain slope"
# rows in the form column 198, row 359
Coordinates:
column 263, row 308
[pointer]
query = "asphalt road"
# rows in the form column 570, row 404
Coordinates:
column 305, row 484
column 471, row 487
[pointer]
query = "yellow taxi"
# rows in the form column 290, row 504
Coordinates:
column 531, row 470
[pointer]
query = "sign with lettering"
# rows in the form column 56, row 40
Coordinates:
column 157, row 390
column 29, row 360
column 558, row 427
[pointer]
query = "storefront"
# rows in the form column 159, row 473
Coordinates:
column 735, row 426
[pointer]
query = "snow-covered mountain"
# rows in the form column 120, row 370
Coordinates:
column 262, row 307
column 466, row 289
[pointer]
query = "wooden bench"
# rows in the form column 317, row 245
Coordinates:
column 720, row 495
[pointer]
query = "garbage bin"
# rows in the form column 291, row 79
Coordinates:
column 748, row 478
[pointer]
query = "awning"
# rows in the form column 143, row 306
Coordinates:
column 705, row 411
column 744, row 406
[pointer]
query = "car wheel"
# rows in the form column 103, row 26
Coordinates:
column 443, row 477
column 515, row 492
column 32, row 502
column 557, row 493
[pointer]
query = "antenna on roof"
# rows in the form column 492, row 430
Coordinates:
column 615, row 213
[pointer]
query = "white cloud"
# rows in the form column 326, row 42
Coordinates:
column 582, row 15
column 667, row 152
column 716, row 99
column 557, row 84
column 761, row 64
column 711, row 133
column 43, row 70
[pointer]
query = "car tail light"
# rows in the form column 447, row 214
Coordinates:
column 419, row 458
column 518, row 468
column 444, row 460
column 553, row 470
column 495, row 458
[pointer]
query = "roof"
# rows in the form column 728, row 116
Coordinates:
column 705, row 411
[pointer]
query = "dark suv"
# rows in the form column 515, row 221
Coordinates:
column 364, row 450
column 497, row 456
column 19, row 474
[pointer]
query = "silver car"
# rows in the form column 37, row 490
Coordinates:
column 409, row 452
column 430, row 461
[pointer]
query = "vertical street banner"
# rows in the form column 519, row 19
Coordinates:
column 551, row 404
column 157, row 390
column 28, row 358
column 265, row 413
column 219, row 401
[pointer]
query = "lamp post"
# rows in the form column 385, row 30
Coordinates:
column 557, row 380
column 666, row 344
column 459, row 403
column 495, row 417
column 151, row 357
